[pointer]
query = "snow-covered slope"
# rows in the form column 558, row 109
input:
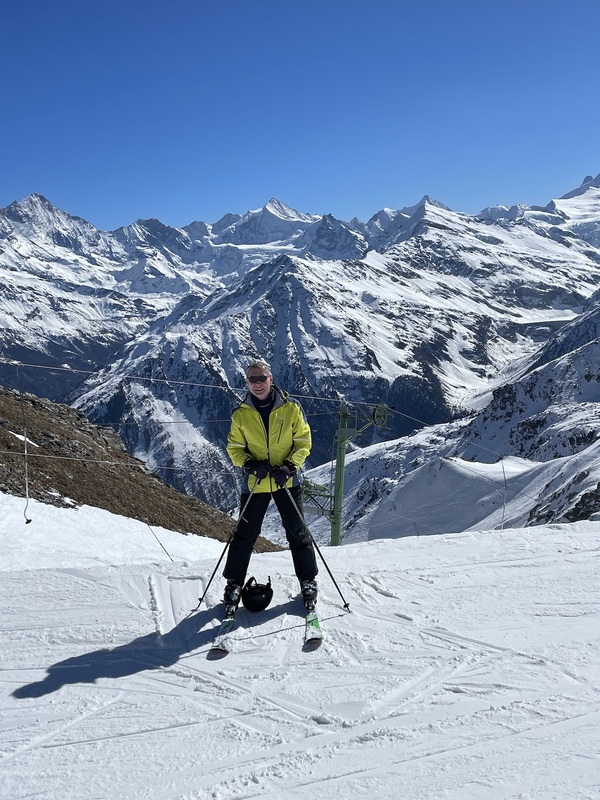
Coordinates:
column 467, row 669
column 581, row 208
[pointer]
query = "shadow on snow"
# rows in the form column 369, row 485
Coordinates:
column 153, row 651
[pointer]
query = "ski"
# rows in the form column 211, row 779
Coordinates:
column 313, row 635
column 220, row 646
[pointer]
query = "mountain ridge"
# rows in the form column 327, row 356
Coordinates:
column 423, row 308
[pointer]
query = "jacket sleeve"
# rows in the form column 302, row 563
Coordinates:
column 237, row 446
column 301, row 438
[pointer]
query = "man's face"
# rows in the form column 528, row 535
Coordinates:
column 259, row 382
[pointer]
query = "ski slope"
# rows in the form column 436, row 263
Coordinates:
column 468, row 668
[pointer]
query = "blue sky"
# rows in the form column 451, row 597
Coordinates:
column 186, row 110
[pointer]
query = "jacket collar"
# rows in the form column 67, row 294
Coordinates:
column 280, row 398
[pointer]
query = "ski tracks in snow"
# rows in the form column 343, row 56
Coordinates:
column 385, row 704
column 442, row 681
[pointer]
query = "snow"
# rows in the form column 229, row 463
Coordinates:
column 87, row 537
column 467, row 669
column 23, row 438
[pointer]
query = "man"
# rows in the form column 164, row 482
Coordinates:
column 270, row 439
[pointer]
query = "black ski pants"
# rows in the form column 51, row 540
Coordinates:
column 249, row 527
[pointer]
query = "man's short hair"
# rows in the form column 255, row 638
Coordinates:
column 258, row 364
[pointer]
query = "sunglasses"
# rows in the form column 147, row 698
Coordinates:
column 258, row 378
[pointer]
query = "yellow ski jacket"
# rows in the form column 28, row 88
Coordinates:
column 289, row 438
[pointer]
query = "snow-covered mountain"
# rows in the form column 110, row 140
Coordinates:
column 423, row 308
column 73, row 295
column 530, row 456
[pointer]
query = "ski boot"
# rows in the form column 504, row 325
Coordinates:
column 231, row 597
column 309, row 594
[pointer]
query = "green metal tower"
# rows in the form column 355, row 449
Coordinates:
column 325, row 502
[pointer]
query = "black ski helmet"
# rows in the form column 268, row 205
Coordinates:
column 256, row 596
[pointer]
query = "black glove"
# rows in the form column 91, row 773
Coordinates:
column 258, row 468
column 282, row 474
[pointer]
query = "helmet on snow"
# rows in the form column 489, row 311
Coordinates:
column 257, row 596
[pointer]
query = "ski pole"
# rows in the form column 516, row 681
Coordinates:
column 227, row 543
column 316, row 546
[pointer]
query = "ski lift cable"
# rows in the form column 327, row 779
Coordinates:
column 395, row 411
column 173, row 382
column 104, row 462
column 25, row 454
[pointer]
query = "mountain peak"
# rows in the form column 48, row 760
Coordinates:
column 425, row 201
column 588, row 183
column 37, row 211
column 36, row 197
column 281, row 210
column 32, row 203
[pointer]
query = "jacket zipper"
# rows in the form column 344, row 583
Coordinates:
column 268, row 448
column 268, row 443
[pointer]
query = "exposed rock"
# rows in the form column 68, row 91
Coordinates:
column 71, row 462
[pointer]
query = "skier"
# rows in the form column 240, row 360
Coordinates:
column 270, row 439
